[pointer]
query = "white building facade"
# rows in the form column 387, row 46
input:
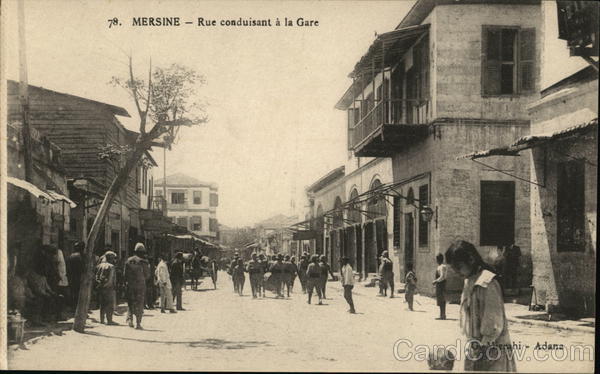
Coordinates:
column 191, row 203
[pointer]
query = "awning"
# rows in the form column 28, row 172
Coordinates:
column 385, row 51
column 531, row 141
column 305, row 235
column 39, row 193
column 61, row 197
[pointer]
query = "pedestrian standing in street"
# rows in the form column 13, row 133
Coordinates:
column 411, row 285
column 254, row 269
column 137, row 271
column 214, row 271
column 106, row 285
column 164, row 285
column 325, row 272
column 277, row 274
column 232, row 265
column 294, row 270
column 74, row 271
column 63, row 283
column 239, row 278
column 512, row 255
column 196, row 266
column 440, row 285
column 288, row 273
column 347, row 279
column 482, row 316
column 302, row 267
column 386, row 271
column 313, row 277
column 265, row 268
column 150, row 292
column 178, row 279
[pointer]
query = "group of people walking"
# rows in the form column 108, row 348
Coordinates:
column 168, row 277
column 279, row 274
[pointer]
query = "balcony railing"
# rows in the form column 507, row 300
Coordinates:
column 391, row 112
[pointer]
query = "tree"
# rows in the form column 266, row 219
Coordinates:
column 165, row 103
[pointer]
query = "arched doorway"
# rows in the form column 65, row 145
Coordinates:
column 376, row 230
column 336, row 235
column 353, row 232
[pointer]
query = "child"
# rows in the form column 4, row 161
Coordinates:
column 411, row 285
column 482, row 317
column 440, row 285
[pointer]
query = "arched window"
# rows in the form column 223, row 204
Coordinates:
column 338, row 214
column 410, row 196
column 353, row 210
column 376, row 205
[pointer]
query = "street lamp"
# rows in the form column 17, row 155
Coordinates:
column 426, row 213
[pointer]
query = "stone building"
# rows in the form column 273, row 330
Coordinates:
column 191, row 203
column 452, row 78
column 563, row 148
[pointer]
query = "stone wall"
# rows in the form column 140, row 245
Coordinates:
column 564, row 280
column 455, row 192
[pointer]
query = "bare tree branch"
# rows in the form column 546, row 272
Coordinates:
column 134, row 89
column 143, row 122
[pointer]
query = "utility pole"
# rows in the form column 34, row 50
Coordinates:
column 24, row 95
column 165, row 180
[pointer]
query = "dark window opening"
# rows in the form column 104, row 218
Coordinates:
column 508, row 60
column 177, row 197
column 497, row 218
column 570, row 206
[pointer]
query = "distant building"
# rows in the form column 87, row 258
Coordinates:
column 191, row 203
column 275, row 237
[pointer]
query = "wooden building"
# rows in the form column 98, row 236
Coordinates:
column 85, row 130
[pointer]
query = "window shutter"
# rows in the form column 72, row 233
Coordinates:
column 527, row 60
column 490, row 61
column 350, row 127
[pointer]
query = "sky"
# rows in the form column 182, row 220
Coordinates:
column 270, row 91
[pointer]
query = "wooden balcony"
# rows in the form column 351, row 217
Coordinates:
column 389, row 127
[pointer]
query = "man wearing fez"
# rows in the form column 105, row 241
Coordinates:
column 137, row 271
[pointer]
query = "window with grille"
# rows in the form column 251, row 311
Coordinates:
column 508, row 60
column 497, row 219
column 570, row 206
column 177, row 197
column 196, row 223
column 197, row 197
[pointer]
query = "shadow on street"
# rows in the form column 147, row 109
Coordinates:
column 204, row 343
